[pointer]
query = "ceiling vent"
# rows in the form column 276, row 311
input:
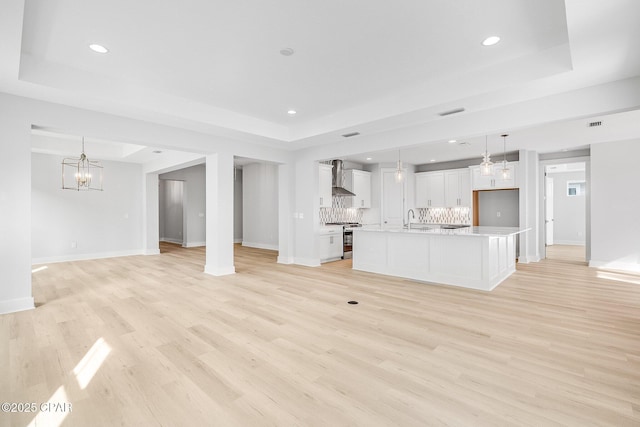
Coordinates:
column 450, row 112
column 594, row 124
column 349, row 135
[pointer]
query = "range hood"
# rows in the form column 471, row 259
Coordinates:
column 337, row 181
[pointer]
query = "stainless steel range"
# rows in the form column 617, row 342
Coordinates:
column 347, row 237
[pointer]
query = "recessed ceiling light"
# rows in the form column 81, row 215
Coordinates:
column 490, row 41
column 369, row 158
column 98, row 48
column 292, row 112
column 432, row 160
column 452, row 141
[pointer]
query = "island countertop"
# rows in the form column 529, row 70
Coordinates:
column 484, row 231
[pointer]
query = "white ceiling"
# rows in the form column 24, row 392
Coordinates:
column 365, row 65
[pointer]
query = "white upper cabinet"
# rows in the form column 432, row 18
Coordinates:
column 325, row 183
column 359, row 183
column 495, row 181
column 430, row 190
column 457, row 188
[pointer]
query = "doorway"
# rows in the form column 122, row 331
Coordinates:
column 393, row 198
column 171, row 211
column 565, row 211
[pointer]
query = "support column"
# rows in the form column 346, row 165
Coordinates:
column 286, row 191
column 219, row 259
column 15, row 210
column 151, row 215
column 306, row 214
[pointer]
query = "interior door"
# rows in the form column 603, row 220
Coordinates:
column 548, row 210
column 392, row 199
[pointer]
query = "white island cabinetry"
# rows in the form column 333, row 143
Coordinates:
column 472, row 257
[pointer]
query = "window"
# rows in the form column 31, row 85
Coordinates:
column 576, row 188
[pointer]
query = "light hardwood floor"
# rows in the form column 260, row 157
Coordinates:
column 557, row 344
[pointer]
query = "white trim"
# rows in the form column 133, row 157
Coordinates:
column 83, row 257
column 194, row 244
column 151, row 252
column 285, row 260
column 170, row 240
column 615, row 265
column 307, row 262
column 215, row 271
column 17, row 304
column 569, row 242
column 260, row 245
column 528, row 259
column 237, row 240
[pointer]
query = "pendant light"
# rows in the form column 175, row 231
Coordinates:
column 82, row 174
column 505, row 172
column 486, row 167
column 399, row 171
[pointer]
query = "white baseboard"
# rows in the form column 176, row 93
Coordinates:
column 84, row 257
column 151, row 252
column 285, row 260
column 219, row 271
column 308, row 262
column 569, row 242
column 260, row 245
column 169, row 240
column 17, row 304
column 616, row 265
column 528, row 259
column 237, row 240
column 194, row 244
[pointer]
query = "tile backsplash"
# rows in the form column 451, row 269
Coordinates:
column 339, row 213
column 444, row 215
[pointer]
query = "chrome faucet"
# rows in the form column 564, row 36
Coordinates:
column 413, row 215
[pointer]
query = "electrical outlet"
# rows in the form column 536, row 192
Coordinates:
column 498, row 214
column 201, row 215
column 74, row 245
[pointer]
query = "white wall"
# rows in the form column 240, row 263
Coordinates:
column 98, row 223
column 260, row 206
column 569, row 212
column 615, row 205
column 194, row 193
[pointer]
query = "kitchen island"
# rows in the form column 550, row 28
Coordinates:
column 471, row 257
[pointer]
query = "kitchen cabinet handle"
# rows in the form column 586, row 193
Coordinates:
column 320, row 200
column 331, row 240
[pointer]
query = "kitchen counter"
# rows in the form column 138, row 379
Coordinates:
column 484, row 231
column 472, row 257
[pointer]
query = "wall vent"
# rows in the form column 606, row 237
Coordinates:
column 349, row 135
column 450, row 112
column 594, row 124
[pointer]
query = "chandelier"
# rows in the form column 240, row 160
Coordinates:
column 486, row 167
column 81, row 174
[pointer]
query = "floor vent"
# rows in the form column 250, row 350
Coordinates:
column 349, row 135
column 594, row 124
column 450, row 112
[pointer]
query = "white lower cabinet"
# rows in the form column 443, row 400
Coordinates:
column 330, row 243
